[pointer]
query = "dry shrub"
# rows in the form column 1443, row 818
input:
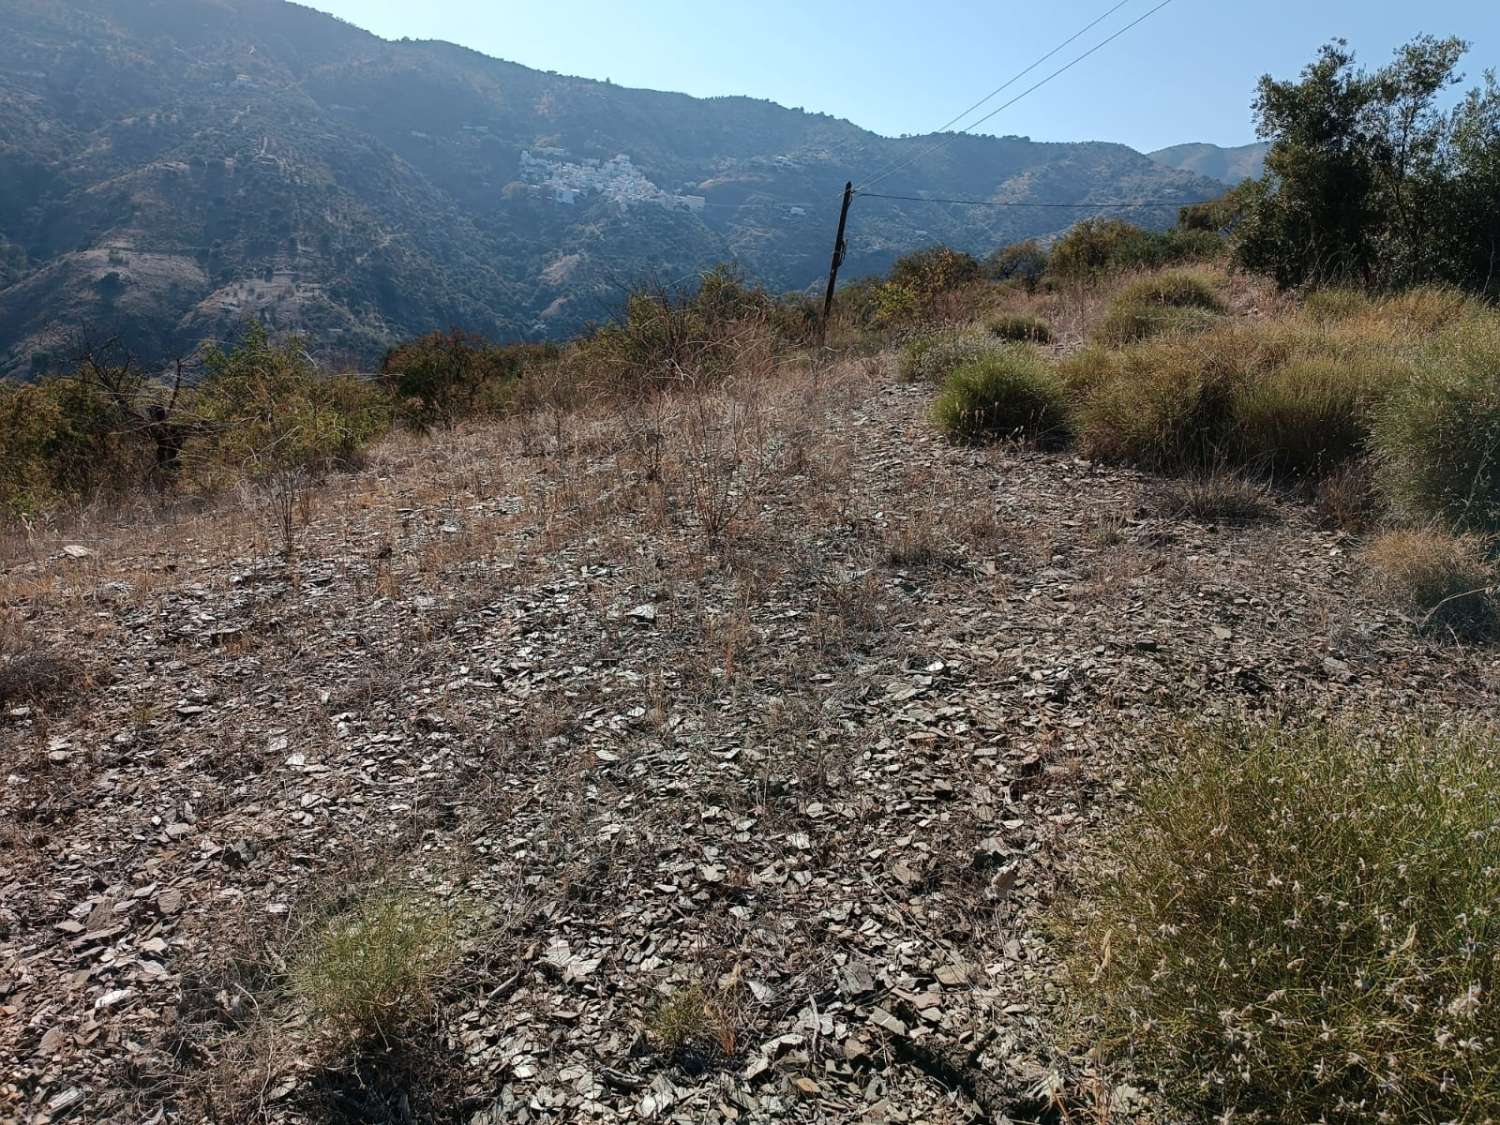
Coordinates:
column 1447, row 580
column 31, row 673
column 1346, row 498
column 1217, row 496
column 933, row 356
column 1301, row 925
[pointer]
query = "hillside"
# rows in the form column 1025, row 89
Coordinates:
column 171, row 167
column 775, row 820
column 1227, row 165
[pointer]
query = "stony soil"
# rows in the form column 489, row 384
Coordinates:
column 829, row 764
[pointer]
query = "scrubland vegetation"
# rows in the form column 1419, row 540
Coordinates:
column 1287, row 919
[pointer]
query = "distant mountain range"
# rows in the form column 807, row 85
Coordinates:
column 1227, row 165
column 169, row 168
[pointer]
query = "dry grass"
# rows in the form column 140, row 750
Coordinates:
column 1447, row 581
column 1218, row 496
column 692, row 1022
column 1300, row 925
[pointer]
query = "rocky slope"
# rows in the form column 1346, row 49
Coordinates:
column 829, row 768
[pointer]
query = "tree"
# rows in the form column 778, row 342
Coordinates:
column 1023, row 262
column 1369, row 179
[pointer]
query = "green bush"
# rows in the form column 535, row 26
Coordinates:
column 1162, row 304
column 667, row 336
column 1023, row 263
column 1020, row 328
column 1306, row 419
column 445, row 377
column 932, row 356
column 29, row 423
column 265, row 410
column 1009, row 393
column 1438, row 435
column 1301, row 925
column 1094, row 248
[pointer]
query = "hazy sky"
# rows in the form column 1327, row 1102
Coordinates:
column 1186, row 74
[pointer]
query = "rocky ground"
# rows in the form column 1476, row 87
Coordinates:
column 768, row 693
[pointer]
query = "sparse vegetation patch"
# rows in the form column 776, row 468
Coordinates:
column 1300, row 925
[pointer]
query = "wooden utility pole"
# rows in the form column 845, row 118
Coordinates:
column 838, row 260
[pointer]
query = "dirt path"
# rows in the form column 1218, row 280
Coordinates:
column 826, row 767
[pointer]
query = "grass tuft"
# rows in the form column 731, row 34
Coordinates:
column 1301, row 925
column 1216, row 496
column 1163, row 304
column 371, row 969
column 1446, row 580
column 1010, row 393
column 1020, row 328
column 932, row 357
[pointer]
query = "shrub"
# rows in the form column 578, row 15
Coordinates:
column 1300, row 925
column 932, row 357
column 1021, row 262
column 1096, row 247
column 29, row 422
column 267, row 411
column 444, row 377
column 1218, row 495
column 1164, row 405
column 668, row 336
column 1160, row 304
column 1438, row 435
column 1307, row 418
column 1020, row 328
column 935, row 270
column 1447, row 580
column 372, row 968
column 1008, row 393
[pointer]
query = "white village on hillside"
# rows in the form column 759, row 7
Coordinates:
column 616, row 179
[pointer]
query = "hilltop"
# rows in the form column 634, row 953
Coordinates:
column 1227, row 165
column 171, row 168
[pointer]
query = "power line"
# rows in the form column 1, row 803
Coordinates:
column 1029, row 90
column 945, row 126
column 1104, row 206
column 1069, row 66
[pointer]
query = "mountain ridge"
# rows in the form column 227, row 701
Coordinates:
column 1230, row 165
column 176, row 166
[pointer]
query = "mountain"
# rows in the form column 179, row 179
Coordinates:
column 1227, row 165
column 169, row 168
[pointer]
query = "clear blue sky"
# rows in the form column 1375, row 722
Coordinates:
column 906, row 66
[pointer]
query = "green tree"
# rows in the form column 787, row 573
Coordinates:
column 1369, row 179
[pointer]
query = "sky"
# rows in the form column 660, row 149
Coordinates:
column 1187, row 73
